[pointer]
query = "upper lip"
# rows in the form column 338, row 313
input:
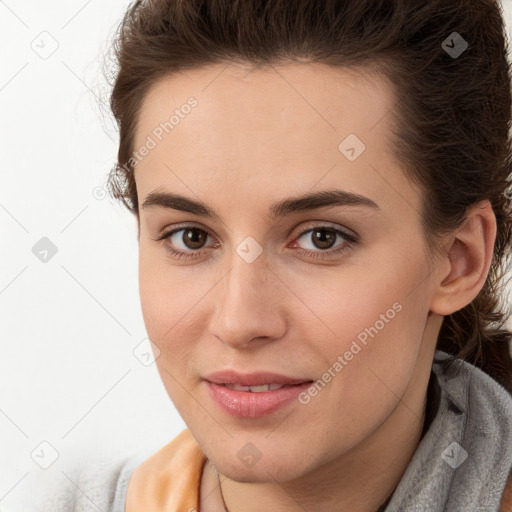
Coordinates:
column 251, row 379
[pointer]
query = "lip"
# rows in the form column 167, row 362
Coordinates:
column 252, row 379
column 247, row 404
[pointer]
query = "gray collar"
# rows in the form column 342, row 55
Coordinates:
column 463, row 460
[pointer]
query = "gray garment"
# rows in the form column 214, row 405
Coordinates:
column 473, row 419
column 95, row 485
column 124, row 477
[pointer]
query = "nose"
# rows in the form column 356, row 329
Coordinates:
column 249, row 308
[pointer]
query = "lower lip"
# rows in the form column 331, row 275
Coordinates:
column 245, row 404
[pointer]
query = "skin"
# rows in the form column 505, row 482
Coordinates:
column 255, row 137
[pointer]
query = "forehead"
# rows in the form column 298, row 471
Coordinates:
column 287, row 123
column 314, row 94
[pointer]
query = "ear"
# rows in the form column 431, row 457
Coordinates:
column 464, row 266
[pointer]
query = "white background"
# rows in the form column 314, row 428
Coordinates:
column 69, row 327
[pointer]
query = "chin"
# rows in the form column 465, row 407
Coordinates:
column 268, row 469
column 255, row 457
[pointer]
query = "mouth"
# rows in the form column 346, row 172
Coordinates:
column 255, row 380
column 252, row 402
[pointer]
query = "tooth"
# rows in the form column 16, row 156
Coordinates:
column 258, row 389
column 238, row 387
column 254, row 389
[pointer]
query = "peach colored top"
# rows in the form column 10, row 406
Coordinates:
column 169, row 481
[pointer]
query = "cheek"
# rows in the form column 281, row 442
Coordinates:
column 165, row 291
column 378, row 319
column 174, row 308
column 168, row 312
column 378, row 302
column 166, row 306
column 371, row 315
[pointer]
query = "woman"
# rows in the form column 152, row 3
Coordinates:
column 322, row 196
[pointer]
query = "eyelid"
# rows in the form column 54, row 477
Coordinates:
column 350, row 239
column 178, row 227
column 347, row 233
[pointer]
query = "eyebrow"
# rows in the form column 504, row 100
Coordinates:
column 304, row 203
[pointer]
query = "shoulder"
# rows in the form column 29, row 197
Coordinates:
column 506, row 499
column 168, row 480
column 92, row 481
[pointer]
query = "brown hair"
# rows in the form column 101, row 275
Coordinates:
column 452, row 130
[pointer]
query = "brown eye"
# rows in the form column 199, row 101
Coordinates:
column 186, row 241
column 190, row 242
column 193, row 238
column 323, row 238
column 320, row 242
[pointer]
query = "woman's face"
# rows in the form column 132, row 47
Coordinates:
column 335, row 290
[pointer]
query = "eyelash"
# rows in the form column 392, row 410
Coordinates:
column 178, row 254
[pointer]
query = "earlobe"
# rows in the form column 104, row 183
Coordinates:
column 468, row 260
